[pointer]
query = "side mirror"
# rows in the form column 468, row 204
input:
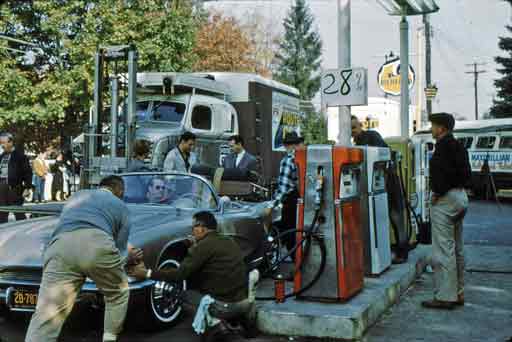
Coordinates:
column 225, row 203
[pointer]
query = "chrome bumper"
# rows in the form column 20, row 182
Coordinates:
column 89, row 288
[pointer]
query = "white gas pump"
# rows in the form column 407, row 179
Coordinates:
column 374, row 210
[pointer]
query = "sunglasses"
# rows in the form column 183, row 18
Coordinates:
column 159, row 187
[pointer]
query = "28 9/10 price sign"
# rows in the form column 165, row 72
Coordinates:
column 345, row 87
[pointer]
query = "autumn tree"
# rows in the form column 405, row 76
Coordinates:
column 221, row 45
column 52, row 95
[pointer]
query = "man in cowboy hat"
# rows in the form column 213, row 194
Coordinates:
column 450, row 172
column 287, row 192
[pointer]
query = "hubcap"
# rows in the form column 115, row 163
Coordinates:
column 166, row 296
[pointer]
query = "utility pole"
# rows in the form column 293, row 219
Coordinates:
column 428, row 61
column 344, row 44
column 475, row 73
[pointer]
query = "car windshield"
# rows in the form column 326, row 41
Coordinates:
column 180, row 191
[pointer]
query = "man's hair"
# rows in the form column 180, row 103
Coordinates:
column 141, row 148
column 353, row 117
column 7, row 135
column 237, row 139
column 152, row 181
column 207, row 219
column 112, row 182
column 187, row 136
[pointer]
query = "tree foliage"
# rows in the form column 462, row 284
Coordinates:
column 53, row 94
column 299, row 56
column 314, row 126
column 223, row 46
column 502, row 106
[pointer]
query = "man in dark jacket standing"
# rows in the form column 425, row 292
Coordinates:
column 450, row 172
column 362, row 137
column 15, row 176
column 239, row 158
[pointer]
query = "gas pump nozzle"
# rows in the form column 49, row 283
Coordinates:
column 319, row 188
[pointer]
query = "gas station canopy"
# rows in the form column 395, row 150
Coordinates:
column 409, row 7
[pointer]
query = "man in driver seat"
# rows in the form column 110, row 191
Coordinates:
column 157, row 191
column 215, row 266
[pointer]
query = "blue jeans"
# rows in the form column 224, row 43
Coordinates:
column 39, row 188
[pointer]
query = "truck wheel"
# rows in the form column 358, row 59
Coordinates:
column 163, row 302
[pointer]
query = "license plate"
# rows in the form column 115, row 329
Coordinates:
column 22, row 299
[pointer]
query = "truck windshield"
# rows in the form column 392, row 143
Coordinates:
column 160, row 111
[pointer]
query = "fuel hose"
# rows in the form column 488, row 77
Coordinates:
column 309, row 235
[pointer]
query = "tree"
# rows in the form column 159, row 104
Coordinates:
column 299, row 56
column 222, row 46
column 314, row 126
column 55, row 93
column 502, row 106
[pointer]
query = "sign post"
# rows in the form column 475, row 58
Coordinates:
column 344, row 87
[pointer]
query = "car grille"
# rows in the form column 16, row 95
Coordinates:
column 31, row 276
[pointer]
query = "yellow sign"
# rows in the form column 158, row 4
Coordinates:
column 389, row 77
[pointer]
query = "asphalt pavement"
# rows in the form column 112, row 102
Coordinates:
column 487, row 315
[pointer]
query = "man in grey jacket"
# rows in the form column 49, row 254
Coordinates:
column 91, row 240
column 239, row 158
column 181, row 158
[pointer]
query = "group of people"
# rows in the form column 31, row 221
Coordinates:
column 52, row 180
column 99, row 219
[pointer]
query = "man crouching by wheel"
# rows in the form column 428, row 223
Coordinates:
column 215, row 266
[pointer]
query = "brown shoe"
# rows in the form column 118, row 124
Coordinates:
column 439, row 304
column 460, row 299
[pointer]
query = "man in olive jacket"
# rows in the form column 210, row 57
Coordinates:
column 214, row 264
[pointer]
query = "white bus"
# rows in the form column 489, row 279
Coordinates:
column 485, row 140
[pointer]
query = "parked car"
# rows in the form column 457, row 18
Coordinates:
column 161, row 207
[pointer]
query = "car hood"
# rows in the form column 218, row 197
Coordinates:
column 22, row 243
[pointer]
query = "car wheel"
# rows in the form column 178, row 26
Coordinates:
column 163, row 302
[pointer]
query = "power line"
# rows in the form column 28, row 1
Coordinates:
column 475, row 73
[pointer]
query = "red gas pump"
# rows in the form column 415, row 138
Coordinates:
column 329, row 197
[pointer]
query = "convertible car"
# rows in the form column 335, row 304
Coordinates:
column 161, row 207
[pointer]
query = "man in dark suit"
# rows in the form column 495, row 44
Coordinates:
column 15, row 176
column 239, row 158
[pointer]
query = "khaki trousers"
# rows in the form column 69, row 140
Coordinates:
column 447, row 216
column 68, row 261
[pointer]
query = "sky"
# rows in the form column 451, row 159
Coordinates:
column 464, row 32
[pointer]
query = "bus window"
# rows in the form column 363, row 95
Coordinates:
column 506, row 142
column 485, row 142
column 466, row 141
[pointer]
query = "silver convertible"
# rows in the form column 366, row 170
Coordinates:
column 161, row 207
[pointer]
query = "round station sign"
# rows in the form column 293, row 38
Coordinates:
column 389, row 77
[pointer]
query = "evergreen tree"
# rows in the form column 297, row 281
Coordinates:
column 502, row 106
column 299, row 54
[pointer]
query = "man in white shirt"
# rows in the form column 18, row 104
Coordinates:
column 181, row 158
column 239, row 158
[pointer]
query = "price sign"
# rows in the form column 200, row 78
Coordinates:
column 345, row 87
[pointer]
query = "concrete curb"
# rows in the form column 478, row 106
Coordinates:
column 348, row 320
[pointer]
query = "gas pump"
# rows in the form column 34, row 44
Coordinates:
column 329, row 193
column 423, row 154
column 374, row 210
